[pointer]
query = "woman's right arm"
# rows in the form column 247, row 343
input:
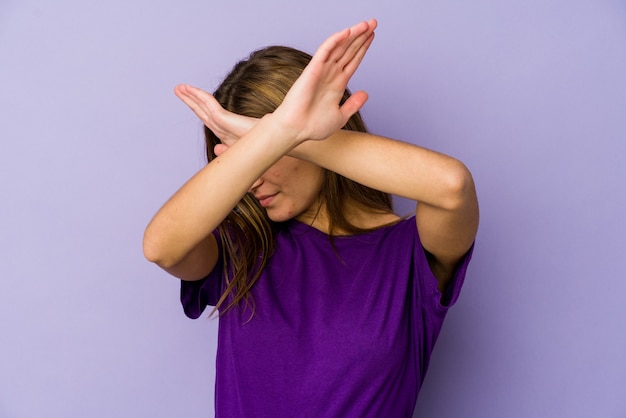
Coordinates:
column 179, row 238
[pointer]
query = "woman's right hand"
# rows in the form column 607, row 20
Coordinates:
column 226, row 125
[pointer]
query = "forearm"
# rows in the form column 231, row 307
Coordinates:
column 202, row 203
column 391, row 166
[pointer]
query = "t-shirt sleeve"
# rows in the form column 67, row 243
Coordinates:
column 453, row 290
column 432, row 306
column 195, row 296
column 427, row 285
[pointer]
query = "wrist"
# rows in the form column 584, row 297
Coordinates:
column 274, row 134
column 283, row 132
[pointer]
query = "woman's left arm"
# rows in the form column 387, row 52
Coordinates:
column 447, row 208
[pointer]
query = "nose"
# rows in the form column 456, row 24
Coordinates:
column 256, row 184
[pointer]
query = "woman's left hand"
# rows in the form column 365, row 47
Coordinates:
column 311, row 109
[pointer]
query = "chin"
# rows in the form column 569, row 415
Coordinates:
column 279, row 218
column 276, row 216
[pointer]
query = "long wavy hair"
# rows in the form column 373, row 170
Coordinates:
column 255, row 87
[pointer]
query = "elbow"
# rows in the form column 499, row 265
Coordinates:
column 150, row 249
column 155, row 252
column 458, row 190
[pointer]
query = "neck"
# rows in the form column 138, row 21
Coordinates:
column 360, row 217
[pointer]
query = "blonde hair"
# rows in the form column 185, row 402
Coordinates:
column 255, row 87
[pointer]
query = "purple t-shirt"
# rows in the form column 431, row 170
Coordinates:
column 345, row 333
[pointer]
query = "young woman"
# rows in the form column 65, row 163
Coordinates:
column 330, row 304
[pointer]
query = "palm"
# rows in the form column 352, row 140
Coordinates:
column 312, row 105
column 227, row 126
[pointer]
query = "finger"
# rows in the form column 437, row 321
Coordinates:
column 183, row 93
column 327, row 47
column 358, row 46
column 333, row 46
column 345, row 49
column 219, row 149
column 200, row 95
column 216, row 116
column 351, row 66
column 353, row 104
column 203, row 104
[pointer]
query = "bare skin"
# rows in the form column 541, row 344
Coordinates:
column 266, row 156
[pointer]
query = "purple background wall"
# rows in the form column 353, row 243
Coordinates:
column 530, row 94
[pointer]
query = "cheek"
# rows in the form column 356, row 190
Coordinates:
column 297, row 178
column 286, row 175
column 279, row 173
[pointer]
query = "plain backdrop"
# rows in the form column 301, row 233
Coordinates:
column 531, row 95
